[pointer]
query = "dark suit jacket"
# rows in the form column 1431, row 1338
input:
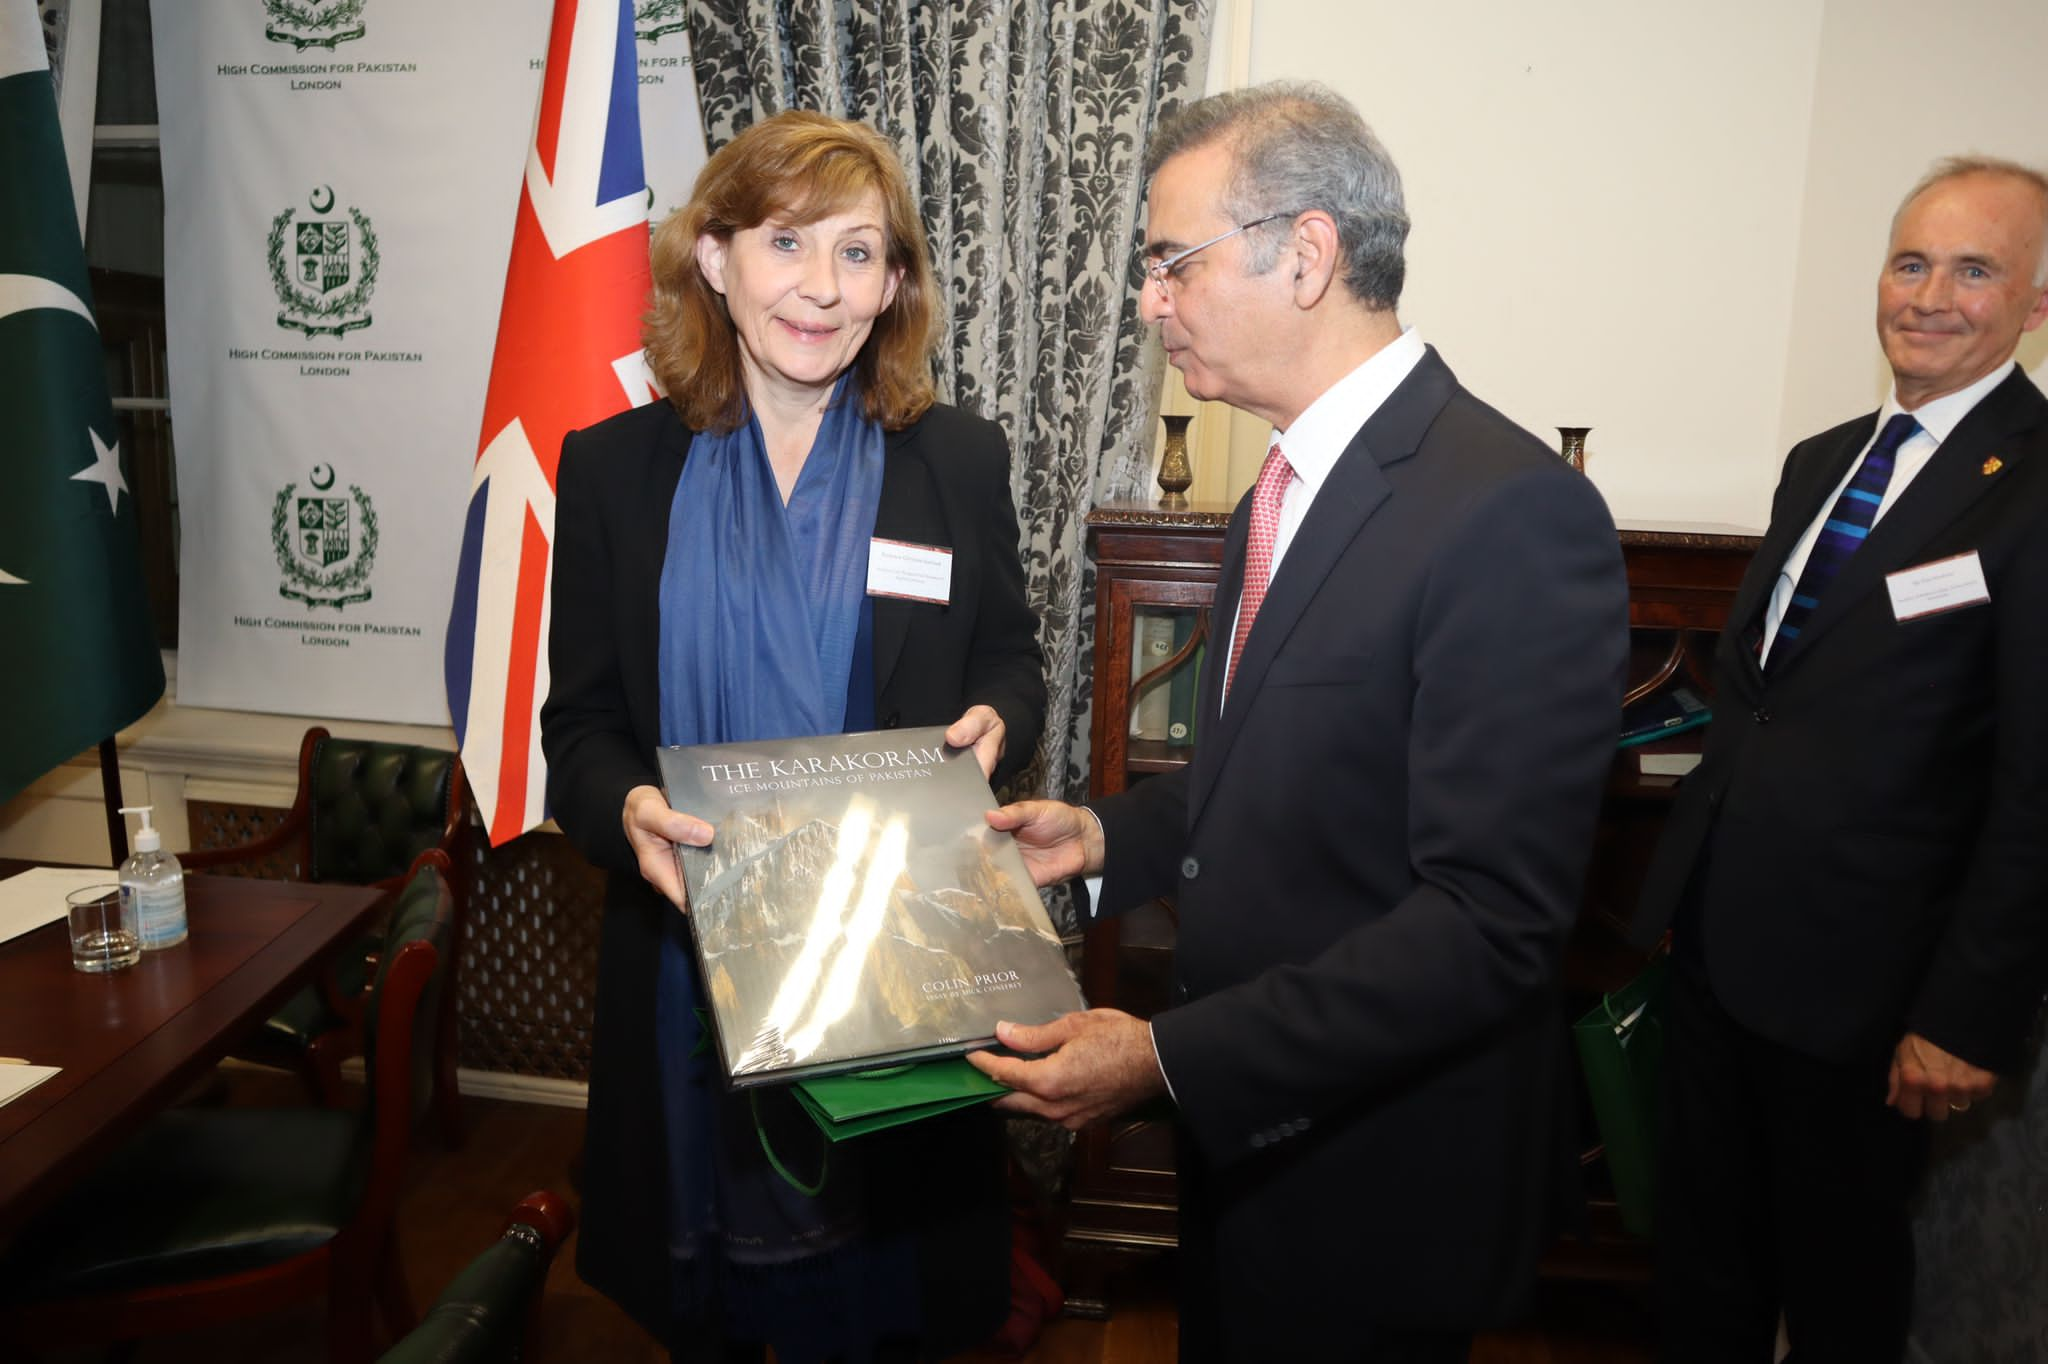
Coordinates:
column 945, row 481
column 1378, row 853
column 1868, row 829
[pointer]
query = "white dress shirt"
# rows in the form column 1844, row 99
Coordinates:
column 1319, row 436
column 1325, row 429
column 1937, row 419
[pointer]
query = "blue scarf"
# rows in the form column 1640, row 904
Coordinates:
column 761, row 604
column 766, row 632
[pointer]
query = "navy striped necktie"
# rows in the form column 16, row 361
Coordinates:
column 1848, row 523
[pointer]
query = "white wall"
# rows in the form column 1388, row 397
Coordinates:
column 1900, row 85
column 1661, row 221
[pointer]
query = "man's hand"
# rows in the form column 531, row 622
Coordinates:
column 982, row 730
column 1927, row 1082
column 1102, row 1063
column 653, row 830
column 1058, row 841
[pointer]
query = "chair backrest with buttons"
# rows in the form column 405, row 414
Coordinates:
column 374, row 807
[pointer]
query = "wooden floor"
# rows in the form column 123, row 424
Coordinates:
column 455, row 1204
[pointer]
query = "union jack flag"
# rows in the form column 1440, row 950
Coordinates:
column 568, row 354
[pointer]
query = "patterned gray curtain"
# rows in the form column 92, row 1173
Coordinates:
column 1023, row 125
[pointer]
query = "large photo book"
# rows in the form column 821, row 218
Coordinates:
column 854, row 910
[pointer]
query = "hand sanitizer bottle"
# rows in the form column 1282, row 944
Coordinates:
column 158, row 884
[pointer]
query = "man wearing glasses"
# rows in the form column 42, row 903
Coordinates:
column 1418, row 647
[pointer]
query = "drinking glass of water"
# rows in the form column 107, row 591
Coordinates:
column 104, row 932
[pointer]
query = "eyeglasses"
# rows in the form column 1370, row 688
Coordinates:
column 1165, row 272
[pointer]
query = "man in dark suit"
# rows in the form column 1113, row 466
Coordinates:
column 1857, row 873
column 1378, row 849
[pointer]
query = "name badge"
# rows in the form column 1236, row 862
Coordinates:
column 912, row 572
column 1944, row 585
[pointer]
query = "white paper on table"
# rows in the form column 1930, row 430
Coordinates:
column 16, row 1081
column 30, row 899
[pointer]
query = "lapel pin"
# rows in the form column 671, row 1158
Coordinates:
column 1993, row 465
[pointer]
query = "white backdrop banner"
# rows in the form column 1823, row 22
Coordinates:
column 340, row 180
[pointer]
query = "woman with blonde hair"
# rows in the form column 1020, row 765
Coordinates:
column 712, row 584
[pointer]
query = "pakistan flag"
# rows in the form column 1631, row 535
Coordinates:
column 81, row 659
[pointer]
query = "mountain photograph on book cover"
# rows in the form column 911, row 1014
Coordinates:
column 853, row 909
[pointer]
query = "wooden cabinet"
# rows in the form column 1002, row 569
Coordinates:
column 1153, row 562
column 1681, row 583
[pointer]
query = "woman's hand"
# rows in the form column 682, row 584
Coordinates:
column 982, row 730
column 653, row 830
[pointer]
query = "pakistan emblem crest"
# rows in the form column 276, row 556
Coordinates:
column 323, row 267
column 326, row 543
column 653, row 18
column 313, row 23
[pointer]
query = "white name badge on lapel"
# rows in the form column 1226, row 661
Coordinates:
column 1944, row 585
column 913, row 572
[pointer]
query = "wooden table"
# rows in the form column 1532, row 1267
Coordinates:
column 130, row 1041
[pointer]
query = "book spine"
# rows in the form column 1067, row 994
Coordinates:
column 1181, row 690
column 1152, row 645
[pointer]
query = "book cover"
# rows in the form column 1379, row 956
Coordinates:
column 853, row 909
column 1663, row 715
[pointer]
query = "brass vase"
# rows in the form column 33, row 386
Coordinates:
column 1572, row 445
column 1175, row 471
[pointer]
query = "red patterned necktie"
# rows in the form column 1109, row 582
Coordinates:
column 1258, row 556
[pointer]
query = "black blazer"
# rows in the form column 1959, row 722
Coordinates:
column 1868, row 829
column 1378, row 854
column 945, row 481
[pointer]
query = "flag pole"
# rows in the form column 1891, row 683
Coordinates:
column 110, row 787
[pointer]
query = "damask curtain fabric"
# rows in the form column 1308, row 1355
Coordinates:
column 1023, row 124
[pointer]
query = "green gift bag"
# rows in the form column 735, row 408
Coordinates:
column 869, row 1100
column 854, row 1104
column 1621, row 1050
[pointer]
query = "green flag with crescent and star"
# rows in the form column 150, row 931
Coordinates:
column 81, row 656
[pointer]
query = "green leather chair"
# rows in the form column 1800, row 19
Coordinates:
column 487, row 1312
column 363, row 812
column 214, row 1214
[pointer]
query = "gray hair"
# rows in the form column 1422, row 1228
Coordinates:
column 1295, row 146
column 1957, row 167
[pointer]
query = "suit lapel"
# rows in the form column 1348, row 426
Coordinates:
column 1813, row 485
column 907, row 511
column 1952, row 481
column 1354, row 490
column 639, row 656
column 1222, row 622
